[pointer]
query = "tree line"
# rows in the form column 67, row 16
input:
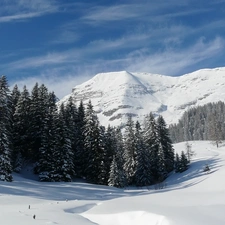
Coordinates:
column 205, row 122
column 67, row 141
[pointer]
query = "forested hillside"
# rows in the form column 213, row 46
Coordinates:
column 68, row 142
column 201, row 123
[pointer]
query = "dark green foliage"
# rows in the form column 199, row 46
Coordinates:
column 130, row 151
column 181, row 163
column 165, row 145
column 66, row 142
column 109, row 145
column 80, row 159
column 152, row 145
column 143, row 176
column 177, row 163
column 21, row 125
column 93, row 149
column 71, row 120
column 63, row 154
column 38, row 113
column 5, row 131
column 46, row 160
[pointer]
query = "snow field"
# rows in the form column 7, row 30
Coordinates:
column 189, row 198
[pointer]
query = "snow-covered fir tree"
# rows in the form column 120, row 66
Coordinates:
column 71, row 119
column 38, row 112
column 183, row 162
column 165, row 144
column 130, row 151
column 80, row 158
column 92, row 148
column 177, row 163
column 151, row 140
column 117, row 175
column 21, row 136
column 46, row 164
column 110, row 143
column 143, row 176
column 5, row 131
column 63, row 154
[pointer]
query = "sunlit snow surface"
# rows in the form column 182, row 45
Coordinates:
column 116, row 94
column 190, row 198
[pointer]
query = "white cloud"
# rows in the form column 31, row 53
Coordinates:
column 17, row 10
column 174, row 61
column 62, row 78
column 61, row 84
column 49, row 59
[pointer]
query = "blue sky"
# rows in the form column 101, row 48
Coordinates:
column 64, row 42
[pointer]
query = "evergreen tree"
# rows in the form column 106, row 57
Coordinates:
column 5, row 131
column 46, row 165
column 143, row 172
column 152, row 144
column 71, row 119
column 116, row 175
column 80, row 157
column 93, row 150
column 201, row 123
column 16, row 160
column 109, row 142
column 183, row 162
column 177, row 163
column 130, row 151
column 21, row 136
column 161, row 164
column 15, row 98
column 215, row 129
column 166, row 148
column 106, row 158
column 63, row 154
column 38, row 112
column 189, row 152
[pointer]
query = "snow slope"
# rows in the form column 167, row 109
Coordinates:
column 116, row 94
column 189, row 198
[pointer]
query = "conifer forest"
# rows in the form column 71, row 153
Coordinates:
column 67, row 142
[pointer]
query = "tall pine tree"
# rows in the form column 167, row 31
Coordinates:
column 166, row 147
column 93, row 149
column 5, row 131
column 130, row 151
column 143, row 175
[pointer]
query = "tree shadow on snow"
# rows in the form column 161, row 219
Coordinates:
column 188, row 177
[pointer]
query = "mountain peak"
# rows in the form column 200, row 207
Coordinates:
column 115, row 95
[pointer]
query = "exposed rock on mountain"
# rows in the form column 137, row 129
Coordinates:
column 115, row 95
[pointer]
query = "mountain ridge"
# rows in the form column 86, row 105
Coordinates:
column 115, row 95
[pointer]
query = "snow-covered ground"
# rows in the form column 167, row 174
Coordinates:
column 190, row 198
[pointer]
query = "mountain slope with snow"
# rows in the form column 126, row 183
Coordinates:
column 118, row 94
column 189, row 198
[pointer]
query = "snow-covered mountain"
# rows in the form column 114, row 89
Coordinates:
column 114, row 95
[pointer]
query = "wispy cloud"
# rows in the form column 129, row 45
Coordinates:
column 174, row 61
column 17, row 10
column 56, row 79
column 45, row 60
column 65, row 74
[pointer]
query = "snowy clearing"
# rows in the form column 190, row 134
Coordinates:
column 193, row 197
